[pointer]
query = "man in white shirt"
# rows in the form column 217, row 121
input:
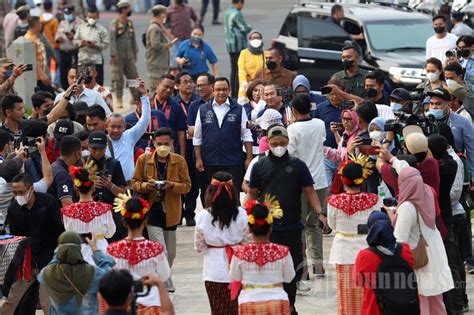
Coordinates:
column 83, row 94
column 219, row 132
column 123, row 141
column 460, row 29
column 306, row 138
column 442, row 41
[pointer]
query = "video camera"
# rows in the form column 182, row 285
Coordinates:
column 83, row 75
column 426, row 123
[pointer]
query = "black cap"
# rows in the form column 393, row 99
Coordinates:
column 68, row 9
column 400, row 94
column 98, row 139
column 458, row 16
column 63, row 128
column 80, row 107
column 441, row 93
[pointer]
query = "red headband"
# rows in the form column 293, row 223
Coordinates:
column 228, row 187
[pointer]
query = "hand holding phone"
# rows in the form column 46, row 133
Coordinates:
column 133, row 83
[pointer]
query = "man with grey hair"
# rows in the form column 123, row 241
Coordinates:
column 123, row 141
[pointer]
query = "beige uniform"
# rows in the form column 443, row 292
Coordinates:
column 157, row 55
column 123, row 45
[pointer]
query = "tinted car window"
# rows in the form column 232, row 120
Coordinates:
column 402, row 34
column 320, row 34
column 289, row 27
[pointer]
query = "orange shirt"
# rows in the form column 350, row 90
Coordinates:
column 50, row 28
column 40, row 53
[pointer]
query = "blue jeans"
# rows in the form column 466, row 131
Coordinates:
column 174, row 51
column 331, row 168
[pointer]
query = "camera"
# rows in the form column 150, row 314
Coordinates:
column 452, row 53
column 325, row 90
column 426, row 123
column 83, row 75
column 30, row 145
column 252, row 125
column 286, row 94
column 160, row 184
column 29, row 67
column 103, row 173
column 347, row 105
column 132, row 83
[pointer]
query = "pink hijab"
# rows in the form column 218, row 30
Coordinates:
column 413, row 189
column 350, row 134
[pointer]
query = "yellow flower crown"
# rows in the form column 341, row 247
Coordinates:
column 274, row 210
column 120, row 206
column 362, row 160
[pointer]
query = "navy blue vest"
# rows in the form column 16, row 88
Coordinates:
column 221, row 146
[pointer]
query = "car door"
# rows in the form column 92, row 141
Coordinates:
column 320, row 44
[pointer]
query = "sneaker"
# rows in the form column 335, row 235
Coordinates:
column 319, row 271
column 190, row 222
column 216, row 22
column 302, row 288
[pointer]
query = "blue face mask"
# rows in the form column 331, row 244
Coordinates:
column 396, row 107
column 196, row 39
column 7, row 75
column 68, row 17
column 437, row 113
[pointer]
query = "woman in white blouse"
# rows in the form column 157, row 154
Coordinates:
column 417, row 209
column 219, row 227
column 347, row 216
column 261, row 267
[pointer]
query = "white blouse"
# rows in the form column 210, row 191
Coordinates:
column 274, row 272
column 216, row 264
column 347, row 242
column 435, row 278
column 150, row 259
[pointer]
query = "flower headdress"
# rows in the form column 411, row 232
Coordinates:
column 221, row 184
column 120, row 203
column 76, row 170
column 363, row 161
column 274, row 210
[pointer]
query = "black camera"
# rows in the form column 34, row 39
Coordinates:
column 427, row 123
column 286, row 94
column 347, row 105
column 30, row 145
column 452, row 53
column 83, row 75
column 103, row 173
column 160, row 184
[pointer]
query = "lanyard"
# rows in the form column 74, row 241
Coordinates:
column 164, row 108
column 184, row 108
column 153, row 125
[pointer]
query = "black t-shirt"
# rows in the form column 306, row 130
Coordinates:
column 384, row 100
column 112, row 167
column 42, row 223
column 283, row 178
column 63, row 184
column 15, row 138
column 447, row 172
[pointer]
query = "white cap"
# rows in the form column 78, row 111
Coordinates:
column 269, row 118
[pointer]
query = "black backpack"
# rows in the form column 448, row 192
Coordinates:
column 396, row 288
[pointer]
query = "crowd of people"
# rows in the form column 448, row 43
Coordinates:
column 91, row 199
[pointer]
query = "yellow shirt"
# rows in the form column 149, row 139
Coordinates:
column 249, row 65
column 40, row 52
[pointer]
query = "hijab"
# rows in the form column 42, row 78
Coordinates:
column 348, row 136
column 413, row 189
column 70, row 261
column 381, row 231
column 256, row 50
column 380, row 122
column 355, row 124
column 301, row 80
column 438, row 146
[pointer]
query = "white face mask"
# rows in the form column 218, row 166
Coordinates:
column 91, row 21
column 279, row 151
column 23, row 200
column 450, row 83
column 432, row 76
column 376, row 135
column 255, row 43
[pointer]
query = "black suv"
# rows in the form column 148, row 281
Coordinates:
column 394, row 41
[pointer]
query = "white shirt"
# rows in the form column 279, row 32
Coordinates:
column 89, row 96
column 123, row 147
column 221, row 111
column 456, row 189
column 216, row 264
column 306, row 140
column 461, row 29
column 385, row 111
column 437, row 48
column 248, row 172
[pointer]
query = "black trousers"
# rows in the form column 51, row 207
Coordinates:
column 215, row 9
column 100, row 73
column 190, row 198
column 68, row 59
column 206, row 176
column 234, row 74
column 292, row 239
column 455, row 298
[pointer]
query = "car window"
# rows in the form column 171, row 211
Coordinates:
column 320, row 34
column 289, row 27
column 403, row 34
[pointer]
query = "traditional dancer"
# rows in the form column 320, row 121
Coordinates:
column 88, row 216
column 261, row 266
column 138, row 255
column 222, row 225
column 347, row 216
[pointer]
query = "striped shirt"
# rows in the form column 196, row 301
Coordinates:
column 96, row 34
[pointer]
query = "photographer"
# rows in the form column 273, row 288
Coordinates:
column 453, row 72
column 36, row 158
column 8, row 74
column 117, row 286
column 163, row 177
column 400, row 101
column 42, row 101
column 110, row 180
column 81, row 93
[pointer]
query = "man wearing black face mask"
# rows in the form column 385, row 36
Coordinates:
column 374, row 83
column 273, row 71
column 62, row 187
column 352, row 76
column 442, row 41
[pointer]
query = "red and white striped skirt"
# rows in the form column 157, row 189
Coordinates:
column 349, row 296
column 280, row 307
